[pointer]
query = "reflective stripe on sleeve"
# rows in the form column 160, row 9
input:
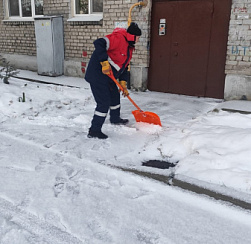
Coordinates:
column 115, row 107
column 107, row 42
column 113, row 64
column 100, row 114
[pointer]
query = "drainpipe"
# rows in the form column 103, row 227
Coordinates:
column 140, row 4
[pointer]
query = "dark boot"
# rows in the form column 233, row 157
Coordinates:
column 120, row 122
column 97, row 134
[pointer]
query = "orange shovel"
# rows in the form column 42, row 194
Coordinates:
column 139, row 115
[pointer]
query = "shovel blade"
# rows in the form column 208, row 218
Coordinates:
column 146, row 117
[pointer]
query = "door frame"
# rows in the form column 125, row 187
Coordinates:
column 217, row 51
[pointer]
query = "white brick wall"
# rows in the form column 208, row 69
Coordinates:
column 239, row 43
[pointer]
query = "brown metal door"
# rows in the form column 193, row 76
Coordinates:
column 180, row 57
column 160, row 58
column 180, row 60
column 190, row 47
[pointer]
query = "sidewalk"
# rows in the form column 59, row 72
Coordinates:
column 240, row 106
column 192, row 129
column 59, row 80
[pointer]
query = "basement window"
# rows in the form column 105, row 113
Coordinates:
column 24, row 9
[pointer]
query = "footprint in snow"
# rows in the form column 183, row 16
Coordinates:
column 26, row 201
column 68, row 182
column 54, row 219
column 100, row 145
column 42, row 165
column 59, row 185
column 147, row 236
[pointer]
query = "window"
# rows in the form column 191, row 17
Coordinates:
column 25, row 8
column 88, row 7
column 86, row 10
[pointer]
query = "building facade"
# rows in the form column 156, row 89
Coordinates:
column 86, row 20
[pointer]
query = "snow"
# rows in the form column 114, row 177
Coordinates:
column 58, row 186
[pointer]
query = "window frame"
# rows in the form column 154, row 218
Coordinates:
column 20, row 17
column 94, row 16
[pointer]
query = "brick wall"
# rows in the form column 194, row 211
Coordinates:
column 19, row 37
column 79, row 36
column 16, row 37
column 239, row 44
column 56, row 7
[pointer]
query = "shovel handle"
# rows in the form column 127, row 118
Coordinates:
column 133, row 103
column 121, row 88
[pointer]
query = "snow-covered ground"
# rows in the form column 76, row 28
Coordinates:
column 57, row 186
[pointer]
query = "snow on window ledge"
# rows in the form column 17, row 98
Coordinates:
column 21, row 19
column 15, row 19
column 86, row 17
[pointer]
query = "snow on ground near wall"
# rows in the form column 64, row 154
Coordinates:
column 56, row 177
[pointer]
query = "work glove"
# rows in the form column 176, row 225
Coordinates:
column 106, row 68
column 125, row 91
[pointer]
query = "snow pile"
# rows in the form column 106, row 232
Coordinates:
column 219, row 151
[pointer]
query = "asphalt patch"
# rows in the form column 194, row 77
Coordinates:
column 159, row 164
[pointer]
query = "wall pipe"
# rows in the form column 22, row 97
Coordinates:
column 143, row 4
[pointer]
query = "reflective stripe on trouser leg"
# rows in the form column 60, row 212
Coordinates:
column 100, row 114
column 115, row 113
column 98, row 120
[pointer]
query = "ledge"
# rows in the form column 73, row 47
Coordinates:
column 19, row 20
column 86, row 18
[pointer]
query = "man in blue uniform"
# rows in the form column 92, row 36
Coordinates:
column 112, row 53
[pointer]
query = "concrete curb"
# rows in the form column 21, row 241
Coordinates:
column 218, row 196
column 170, row 180
column 235, row 111
column 43, row 82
